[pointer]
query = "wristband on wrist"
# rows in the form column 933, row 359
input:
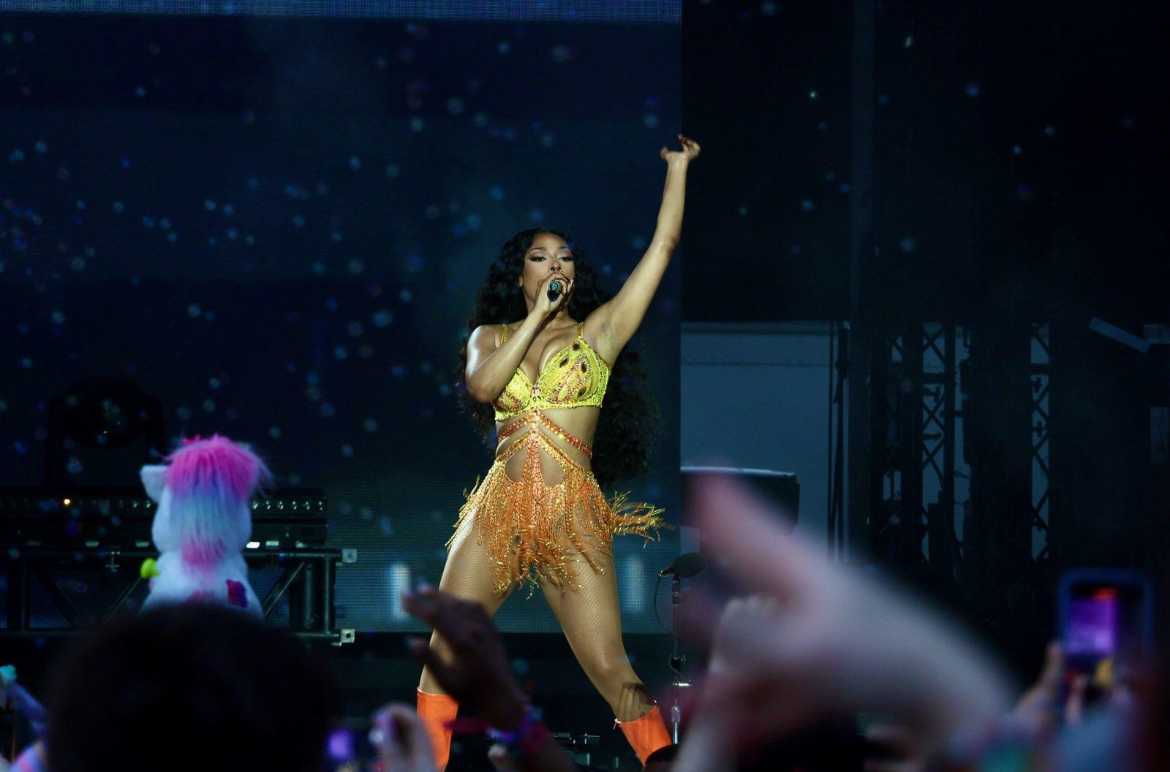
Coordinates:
column 526, row 738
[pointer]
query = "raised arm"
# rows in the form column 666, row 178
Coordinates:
column 618, row 320
column 478, row 674
column 490, row 367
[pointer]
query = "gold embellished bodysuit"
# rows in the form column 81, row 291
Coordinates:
column 533, row 529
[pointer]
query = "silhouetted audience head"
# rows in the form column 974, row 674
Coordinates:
column 189, row 687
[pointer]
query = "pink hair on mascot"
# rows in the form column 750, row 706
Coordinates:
column 203, row 523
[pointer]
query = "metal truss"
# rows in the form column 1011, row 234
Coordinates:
column 915, row 385
column 1041, row 378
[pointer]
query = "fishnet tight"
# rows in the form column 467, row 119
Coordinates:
column 588, row 614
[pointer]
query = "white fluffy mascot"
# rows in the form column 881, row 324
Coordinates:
column 203, row 523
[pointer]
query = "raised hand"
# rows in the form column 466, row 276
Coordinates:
column 477, row 674
column 401, row 740
column 501, row 760
column 689, row 151
column 824, row 641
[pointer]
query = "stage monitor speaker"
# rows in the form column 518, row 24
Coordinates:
column 780, row 489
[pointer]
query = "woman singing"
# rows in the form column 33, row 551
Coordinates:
column 537, row 360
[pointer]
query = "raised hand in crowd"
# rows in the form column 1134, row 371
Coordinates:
column 822, row 641
column 401, row 740
column 477, row 674
column 501, row 759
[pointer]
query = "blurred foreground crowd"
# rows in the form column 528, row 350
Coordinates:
column 810, row 652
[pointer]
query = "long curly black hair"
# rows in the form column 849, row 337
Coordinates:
column 629, row 420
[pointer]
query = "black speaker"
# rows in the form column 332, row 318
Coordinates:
column 716, row 582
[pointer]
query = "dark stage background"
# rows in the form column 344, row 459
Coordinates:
column 276, row 226
column 974, row 182
column 1016, row 150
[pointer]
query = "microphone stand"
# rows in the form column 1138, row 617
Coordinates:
column 681, row 567
column 677, row 659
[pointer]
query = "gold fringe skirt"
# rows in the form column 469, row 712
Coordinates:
column 534, row 531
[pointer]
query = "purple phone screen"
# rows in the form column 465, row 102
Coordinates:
column 1092, row 626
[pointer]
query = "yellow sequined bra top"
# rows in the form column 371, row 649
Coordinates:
column 576, row 376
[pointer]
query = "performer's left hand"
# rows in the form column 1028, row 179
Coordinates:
column 478, row 673
column 689, row 152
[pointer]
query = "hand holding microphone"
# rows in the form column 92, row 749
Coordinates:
column 555, row 288
column 554, row 294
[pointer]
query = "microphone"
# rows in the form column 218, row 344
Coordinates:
column 554, row 290
column 685, row 566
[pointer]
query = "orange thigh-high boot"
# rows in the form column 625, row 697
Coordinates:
column 646, row 733
column 437, row 711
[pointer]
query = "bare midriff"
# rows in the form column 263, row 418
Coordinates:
column 570, row 430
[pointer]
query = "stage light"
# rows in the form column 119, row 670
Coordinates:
column 633, row 579
column 399, row 583
column 253, row 545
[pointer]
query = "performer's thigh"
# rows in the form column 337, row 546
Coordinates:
column 591, row 617
column 469, row 575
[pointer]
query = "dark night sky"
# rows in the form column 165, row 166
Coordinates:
column 1020, row 150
